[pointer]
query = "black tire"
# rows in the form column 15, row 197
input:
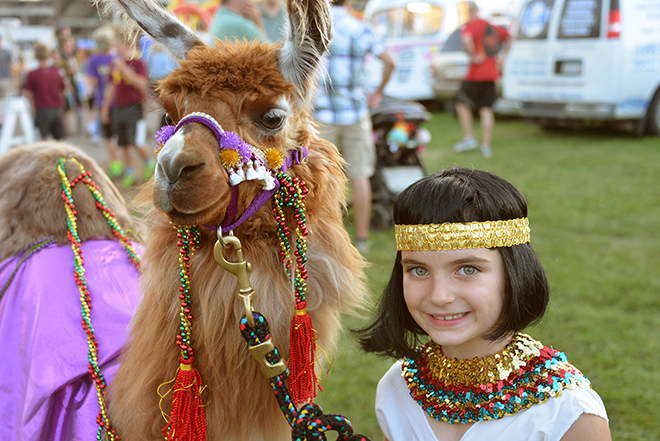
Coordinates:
column 547, row 124
column 654, row 115
column 381, row 217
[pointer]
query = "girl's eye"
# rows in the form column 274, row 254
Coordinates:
column 419, row 271
column 468, row 270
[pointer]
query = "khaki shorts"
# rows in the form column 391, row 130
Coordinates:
column 355, row 142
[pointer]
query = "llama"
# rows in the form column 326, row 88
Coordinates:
column 47, row 390
column 259, row 93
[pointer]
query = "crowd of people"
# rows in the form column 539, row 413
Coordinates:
column 99, row 92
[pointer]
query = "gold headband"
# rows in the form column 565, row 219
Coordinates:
column 433, row 237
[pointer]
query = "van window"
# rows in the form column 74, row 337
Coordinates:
column 453, row 42
column 420, row 18
column 580, row 19
column 383, row 23
column 416, row 19
column 534, row 20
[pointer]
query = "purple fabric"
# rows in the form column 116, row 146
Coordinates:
column 47, row 392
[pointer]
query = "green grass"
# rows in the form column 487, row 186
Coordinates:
column 594, row 210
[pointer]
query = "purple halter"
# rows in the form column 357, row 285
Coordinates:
column 257, row 167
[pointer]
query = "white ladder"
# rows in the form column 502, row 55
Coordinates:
column 16, row 109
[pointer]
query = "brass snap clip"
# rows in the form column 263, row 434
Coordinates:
column 240, row 268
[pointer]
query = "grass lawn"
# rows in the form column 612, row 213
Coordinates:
column 594, row 202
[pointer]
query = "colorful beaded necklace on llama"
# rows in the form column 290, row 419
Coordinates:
column 187, row 420
column 85, row 296
column 465, row 391
column 244, row 162
column 291, row 193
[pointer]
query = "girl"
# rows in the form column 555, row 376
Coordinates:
column 466, row 276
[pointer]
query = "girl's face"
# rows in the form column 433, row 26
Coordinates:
column 456, row 296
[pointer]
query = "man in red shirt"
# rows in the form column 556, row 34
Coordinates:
column 44, row 87
column 486, row 46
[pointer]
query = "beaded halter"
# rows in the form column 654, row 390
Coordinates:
column 85, row 296
column 245, row 162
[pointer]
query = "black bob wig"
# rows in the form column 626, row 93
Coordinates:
column 459, row 195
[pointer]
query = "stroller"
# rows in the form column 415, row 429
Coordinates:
column 398, row 140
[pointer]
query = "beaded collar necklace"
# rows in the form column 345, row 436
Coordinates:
column 465, row 391
column 85, row 296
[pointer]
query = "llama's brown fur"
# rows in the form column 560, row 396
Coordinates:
column 31, row 206
column 235, row 83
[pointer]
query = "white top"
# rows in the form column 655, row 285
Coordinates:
column 402, row 419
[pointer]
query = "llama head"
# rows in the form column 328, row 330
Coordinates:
column 261, row 92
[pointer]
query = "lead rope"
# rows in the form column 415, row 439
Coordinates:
column 308, row 423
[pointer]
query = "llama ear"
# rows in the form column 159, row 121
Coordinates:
column 149, row 16
column 308, row 38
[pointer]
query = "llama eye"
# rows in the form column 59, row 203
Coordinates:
column 273, row 119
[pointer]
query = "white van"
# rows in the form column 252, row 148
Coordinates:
column 414, row 30
column 585, row 60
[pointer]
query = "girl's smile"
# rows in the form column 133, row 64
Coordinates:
column 456, row 296
column 449, row 320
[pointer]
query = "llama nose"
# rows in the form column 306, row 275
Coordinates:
column 173, row 159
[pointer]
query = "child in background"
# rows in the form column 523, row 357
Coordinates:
column 98, row 75
column 127, row 89
column 467, row 277
column 44, row 87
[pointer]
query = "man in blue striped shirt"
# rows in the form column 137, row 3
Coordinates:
column 342, row 106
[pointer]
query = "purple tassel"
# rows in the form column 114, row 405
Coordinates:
column 164, row 134
column 232, row 141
